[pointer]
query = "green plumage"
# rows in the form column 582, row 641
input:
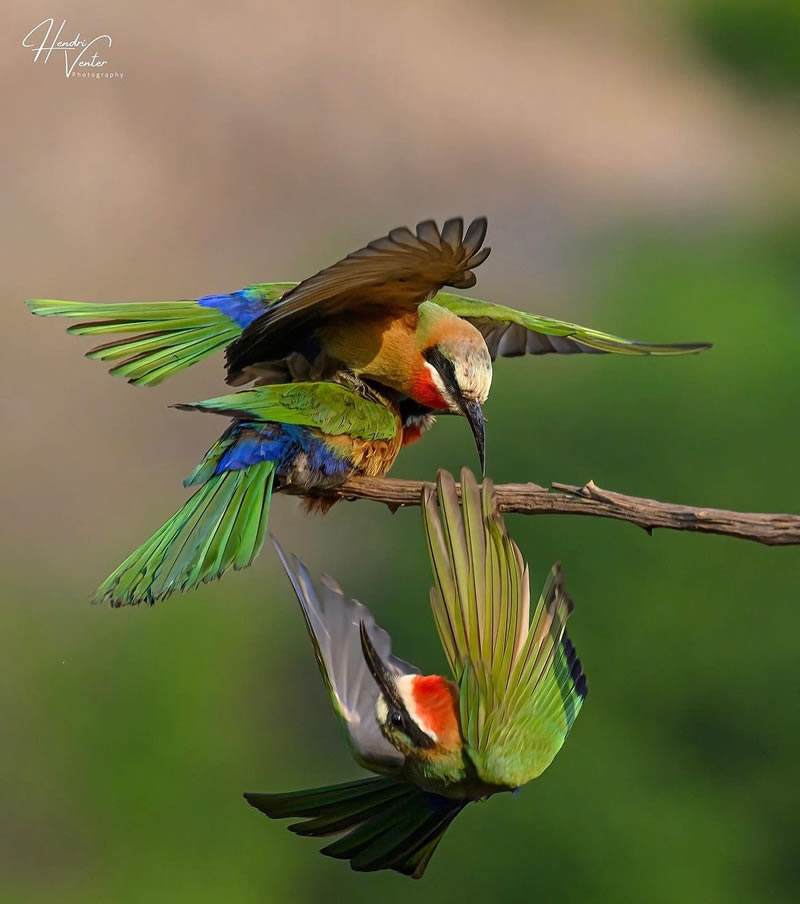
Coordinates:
column 331, row 408
column 171, row 335
column 520, row 684
column 520, row 687
column 221, row 526
column 488, row 317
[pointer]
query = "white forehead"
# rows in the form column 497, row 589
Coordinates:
column 474, row 374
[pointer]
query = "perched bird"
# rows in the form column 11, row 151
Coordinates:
column 302, row 435
column 438, row 744
column 379, row 313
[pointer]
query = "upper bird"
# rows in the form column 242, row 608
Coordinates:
column 516, row 689
column 378, row 313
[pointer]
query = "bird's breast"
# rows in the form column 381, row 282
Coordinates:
column 453, row 778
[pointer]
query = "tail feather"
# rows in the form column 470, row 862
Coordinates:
column 408, row 846
column 171, row 335
column 386, row 824
column 393, row 816
column 221, row 526
column 347, row 800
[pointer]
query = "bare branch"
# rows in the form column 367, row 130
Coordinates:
column 564, row 499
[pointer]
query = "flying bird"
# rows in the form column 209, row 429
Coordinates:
column 379, row 313
column 306, row 436
column 438, row 743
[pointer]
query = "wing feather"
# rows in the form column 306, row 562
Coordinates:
column 520, row 682
column 330, row 407
column 333, row 623
column 510, row 333
column 396, row 272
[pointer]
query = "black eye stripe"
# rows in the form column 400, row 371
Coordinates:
column 387, row 688
column 402, row 721
column 440, row 363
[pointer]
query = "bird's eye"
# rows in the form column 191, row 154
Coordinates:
column 396, row 719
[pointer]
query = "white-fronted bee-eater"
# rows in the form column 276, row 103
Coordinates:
column 379, row 317
column 438, row 743
column 379, row 313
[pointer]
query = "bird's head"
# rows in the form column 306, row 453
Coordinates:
column 417, row 714
column 456, row 370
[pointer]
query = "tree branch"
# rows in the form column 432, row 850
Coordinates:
column 564, row 499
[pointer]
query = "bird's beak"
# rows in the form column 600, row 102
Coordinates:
column 383, row 677
column 471, row 410
column 474, row 414
column 388, row 689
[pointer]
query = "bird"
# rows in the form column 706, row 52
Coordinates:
column 379, row 313
column 301, row 436
column 437, row 744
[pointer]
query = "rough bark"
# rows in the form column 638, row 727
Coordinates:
column 564, row 499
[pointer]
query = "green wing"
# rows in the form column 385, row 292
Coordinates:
column 510, row 333
column 332, row 408
column 169, row 336
column 520, row 683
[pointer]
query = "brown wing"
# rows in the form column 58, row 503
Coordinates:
column 511, row 340
column 400, row 270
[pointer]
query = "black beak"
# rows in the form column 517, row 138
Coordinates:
column 386, row 685
column 472, row 411
column 474, row 414
column 383, row 677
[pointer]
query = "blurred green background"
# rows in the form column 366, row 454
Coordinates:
column 638, row 164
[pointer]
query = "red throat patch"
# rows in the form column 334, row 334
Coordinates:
column 411, row 434
column 436, row 702
column 424, row 391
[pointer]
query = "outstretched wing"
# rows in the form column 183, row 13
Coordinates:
column 333, row 623
column 398, row 271
column 330, row 407
column 169, row 336
column 520, row 683
column 510, row 333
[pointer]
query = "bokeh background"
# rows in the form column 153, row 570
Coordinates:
column 637, row 161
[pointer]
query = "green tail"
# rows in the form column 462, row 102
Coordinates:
column 222, row 525
column 387, row 824
column 171, row 335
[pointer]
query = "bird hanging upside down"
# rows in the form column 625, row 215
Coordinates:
column 438, row 744
column 378, row 313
